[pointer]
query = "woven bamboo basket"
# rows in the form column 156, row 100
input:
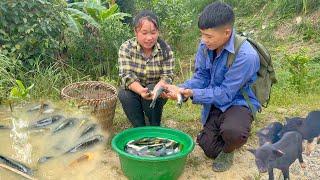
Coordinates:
column 100, row 97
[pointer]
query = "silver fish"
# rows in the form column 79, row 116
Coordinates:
column 156, row 93
column 152, row 147
column 179, row 100
column 46, row 121
column 86, row 143
column 38, row 108
column 91, row 141
column 16, row 165
column 4, row 127
column 65, row 124
column 88, row 129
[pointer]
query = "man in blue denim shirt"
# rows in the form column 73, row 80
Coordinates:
column 226, row 117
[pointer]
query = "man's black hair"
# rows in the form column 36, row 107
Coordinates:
column 215, row 15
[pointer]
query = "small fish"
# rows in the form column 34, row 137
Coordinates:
column 85, row 157
column 65, row 124
column 86, row 144
column 16, row 165
column 38, row 108
column 44, row 159
column 48, row 111
column 83, row 145
column 156, row 93
column 88, row 129
column 46, row 121
column 179, row 100
column 152, row 147
column 4, row 127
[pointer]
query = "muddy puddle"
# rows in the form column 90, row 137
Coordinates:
column 76, row 150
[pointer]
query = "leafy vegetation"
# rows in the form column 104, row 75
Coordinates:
column 30, row 29
column 174, row 19
column 52, row 44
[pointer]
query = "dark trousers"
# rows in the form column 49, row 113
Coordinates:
column 225, row 131
column 136, row 108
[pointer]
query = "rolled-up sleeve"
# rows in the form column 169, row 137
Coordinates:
column 241, row 71
column 168, row 67
column 125, row 72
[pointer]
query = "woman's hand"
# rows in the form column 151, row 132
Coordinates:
column 140, row 90
column 145, row 94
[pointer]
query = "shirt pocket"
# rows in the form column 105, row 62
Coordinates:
column 220, row 74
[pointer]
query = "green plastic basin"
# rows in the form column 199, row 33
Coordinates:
column 166, row 168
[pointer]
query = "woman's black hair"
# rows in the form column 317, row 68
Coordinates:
column 152, row 17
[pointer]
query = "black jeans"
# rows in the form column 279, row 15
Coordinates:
column 225, row 131
column 136, row 108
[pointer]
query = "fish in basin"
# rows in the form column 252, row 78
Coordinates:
column 152, row 147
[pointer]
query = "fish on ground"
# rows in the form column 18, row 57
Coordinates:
column 65, row 124
column 40, row 107
column 46, row 121
column 88, row 129
column 86, row 144
column 16, row 165
column 4, row 127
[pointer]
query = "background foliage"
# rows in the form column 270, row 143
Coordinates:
column 53, row 43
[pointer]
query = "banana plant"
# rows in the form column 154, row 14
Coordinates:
column 93, row 12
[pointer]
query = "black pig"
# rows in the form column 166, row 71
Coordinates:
column 270, row 133
column 309, row 127
column 279, row 155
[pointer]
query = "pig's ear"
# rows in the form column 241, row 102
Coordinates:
column 277, row 152
column 253, row 151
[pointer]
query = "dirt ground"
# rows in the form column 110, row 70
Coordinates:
column 198, row 166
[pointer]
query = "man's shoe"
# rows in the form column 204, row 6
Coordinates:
column 223, row 162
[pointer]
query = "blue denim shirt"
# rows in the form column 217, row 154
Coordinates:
column 213, row 83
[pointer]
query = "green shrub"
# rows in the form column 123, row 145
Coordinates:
column 96, row 52
column 175, row 19
column 32, row 28
column 298, row 67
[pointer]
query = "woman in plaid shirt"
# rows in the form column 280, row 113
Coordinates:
column 145, row 63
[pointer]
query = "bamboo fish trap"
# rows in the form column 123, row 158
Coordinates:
column 99, row 96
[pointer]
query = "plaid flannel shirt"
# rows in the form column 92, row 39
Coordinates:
column 133, row 66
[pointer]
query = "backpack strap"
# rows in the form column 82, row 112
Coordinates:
column 238, row 41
